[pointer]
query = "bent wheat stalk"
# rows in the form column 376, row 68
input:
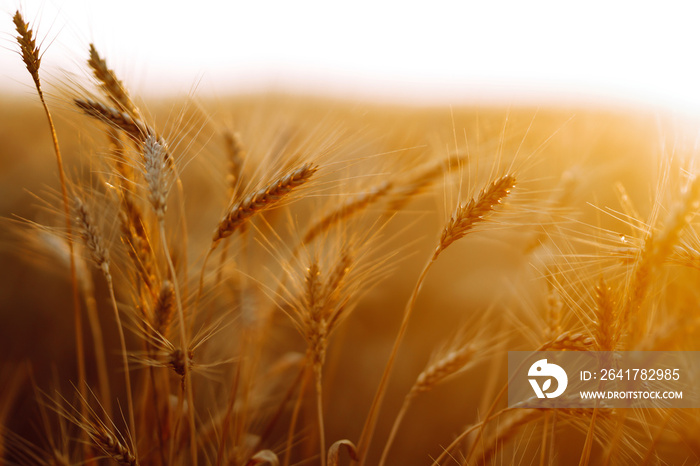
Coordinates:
column 32, row 60
column 452, row 362
column 346, row 210
column 94, row 242
column 459, row 225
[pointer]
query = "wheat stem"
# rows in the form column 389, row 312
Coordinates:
column 395, row 427
column 32, row 60
column 460, row 224
column 295, row 416
column 319, row 411
column 125, row 363
column 371, row 420
column 186, row 375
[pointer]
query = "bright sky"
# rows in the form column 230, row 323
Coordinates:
column 443, row 52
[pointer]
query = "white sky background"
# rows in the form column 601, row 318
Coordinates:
column 442, row 52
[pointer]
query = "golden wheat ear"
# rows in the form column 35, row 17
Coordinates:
column 261, row 200
column 135, row 128
column 28, row 48
column 110, row 85
column 473, row 212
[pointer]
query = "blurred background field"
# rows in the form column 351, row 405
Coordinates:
column 594, row 109
column 494, row 278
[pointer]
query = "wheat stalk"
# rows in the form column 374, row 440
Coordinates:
column 93, row 239
column 32, row 60
column 459, row 225
column 346, row 210
column 422, row 179
column 454, row 360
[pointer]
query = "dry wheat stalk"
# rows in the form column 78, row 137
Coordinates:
column 32, row 60
column 423, row 179
column 459, row 225
column 261, row 200
column 92, row 237
column 347, row 210
column 334, row 452
column 506, row 430
column 319, row 311
column 453, row 359
column 553, row 313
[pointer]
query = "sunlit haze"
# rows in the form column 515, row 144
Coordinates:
column 447, row 52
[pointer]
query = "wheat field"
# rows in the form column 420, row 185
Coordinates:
column 291, row 280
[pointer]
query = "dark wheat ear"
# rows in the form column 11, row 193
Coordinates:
column 92, row 237
column 164, row 308
column 30, row 51
column 261, row 200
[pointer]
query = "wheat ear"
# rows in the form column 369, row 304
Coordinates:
column 261, row 200
column 565, row 341
column 234, row 181
column 155, row 172
column 236, row 157
column 607, row 326
column 473, row 212
column 164, row 308
column 111, row 86
column 135, row 128
column 113, row 447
